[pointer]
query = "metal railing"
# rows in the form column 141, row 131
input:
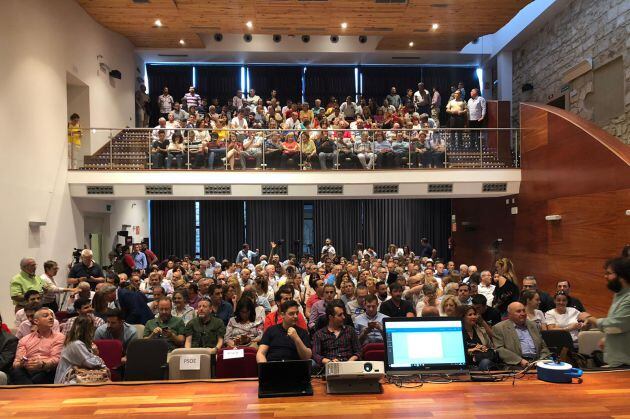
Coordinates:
column 295, row 149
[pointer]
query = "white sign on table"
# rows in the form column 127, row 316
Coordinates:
column 190, row 362
column 233, row 353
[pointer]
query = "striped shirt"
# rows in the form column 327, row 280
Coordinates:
column 192, row 99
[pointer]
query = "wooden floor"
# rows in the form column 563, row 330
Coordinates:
column 602, row 395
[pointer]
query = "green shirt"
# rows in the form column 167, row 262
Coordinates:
column 617, row 329
column 23, row 282
column 205, row 335
column 175, row 325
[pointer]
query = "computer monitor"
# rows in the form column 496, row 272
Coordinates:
column 415, row 345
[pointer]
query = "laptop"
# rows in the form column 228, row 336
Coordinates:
column 284, row 379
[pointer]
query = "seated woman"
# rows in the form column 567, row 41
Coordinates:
column 309, row 151
column 234, row 150
column 216, row 145
column 563, row 317
column 290, row 150
column 79, row 351
column 531, row 300
column 450, row 306
column 175, row 151
column 181, row 308
column 479, row 347
column 243, row 329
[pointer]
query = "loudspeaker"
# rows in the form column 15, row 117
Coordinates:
column 277, row 38
column 527, row 87
column 247, row 37
column 306, row 38
column 115, row 74
column 334, row 39
column 218, row 37
column 363, row 39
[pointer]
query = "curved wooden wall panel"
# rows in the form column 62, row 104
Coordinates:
column 572, row 168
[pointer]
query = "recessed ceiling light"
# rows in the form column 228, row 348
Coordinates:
column 344, row 25
column 158, row 23
column 182, row 42
column 249, row 24
column 435, row 26
column 411, row 44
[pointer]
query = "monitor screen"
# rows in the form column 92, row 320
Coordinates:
column 414, row 345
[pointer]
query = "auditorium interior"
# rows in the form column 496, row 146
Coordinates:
column 389, row 208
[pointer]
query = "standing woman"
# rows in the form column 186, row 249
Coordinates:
column 531, row 300
column 79, row 351
column 506, row 290
column 74, row 140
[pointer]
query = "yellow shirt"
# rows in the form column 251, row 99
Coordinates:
column 74, row 134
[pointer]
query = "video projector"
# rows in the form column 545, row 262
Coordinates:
column 354, row 377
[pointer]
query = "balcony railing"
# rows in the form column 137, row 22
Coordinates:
column 313, row 149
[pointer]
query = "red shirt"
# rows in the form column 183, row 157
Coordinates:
column 150, row 255
column 275, row 318
column 312, row 300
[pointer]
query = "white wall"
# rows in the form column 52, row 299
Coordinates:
column 41, row 40
column 128, row 212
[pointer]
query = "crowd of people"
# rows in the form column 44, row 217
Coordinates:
column 401, row 132
column 324, row 308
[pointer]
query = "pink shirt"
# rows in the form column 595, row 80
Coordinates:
column 26, row 328
column 38, row 347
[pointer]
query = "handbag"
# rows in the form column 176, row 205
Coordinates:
column 86, row 376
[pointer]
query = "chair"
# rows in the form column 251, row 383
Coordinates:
column 110, row 351
column 557, row 339
column 139, row 330
column 238, row 367
column 175, row 373
column 588, row 341
column 62, row 316
column 373, row 352
column 146, row 360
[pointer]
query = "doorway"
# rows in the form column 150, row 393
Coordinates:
column 559, row 102
column 78, row 98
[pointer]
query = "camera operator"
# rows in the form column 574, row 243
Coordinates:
column 86, row 270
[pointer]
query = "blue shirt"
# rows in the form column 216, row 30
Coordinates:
column 140, row 260
column 128, row 334
column 528, row 348
column 374, row 335
column 224, row 312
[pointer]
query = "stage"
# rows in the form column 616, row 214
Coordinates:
column 600, row 395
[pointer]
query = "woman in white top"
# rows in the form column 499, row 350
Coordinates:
column 531, row 300
column 181, row 308
column 243, row 329
column 563, row 317
column 78, row 351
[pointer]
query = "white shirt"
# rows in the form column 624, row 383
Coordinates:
column 563, row 320
column 486, row 292
column 476, row 108
column 419, row 100
column 329, row 249
column 238, row 123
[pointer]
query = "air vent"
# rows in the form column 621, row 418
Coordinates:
column 440, row 188
column 158, row 189
column 385, row 188
column 332, row 368
column 390, row 1
column 421, row 30
column 100, row 190
column 330, row 189
column 218, row 189
column 372, row 29
column 494, row 187
column 439, row 5
column 274, row 189
column 173, row 55
column 415, row 57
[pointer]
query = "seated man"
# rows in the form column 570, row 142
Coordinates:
column 28, row 326
column 336, row 342
column 356, row 307
column 218, row 306
column 281, row 296
column 38, row 353
column 84, row 307
column 30, row 297
column 166, row 326
column 369, row 325
column 285, row 341
column 319, row 308
column 396, row 306
column 8, row 347
column 518, row 340
column 205, row 330
column 565, row 286
column 489, row 314
column 116, row 328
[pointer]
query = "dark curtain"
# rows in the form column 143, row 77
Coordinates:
column 273, row 221
column 178, row 79
column 222, row 226
column 324, row 82
column 286, row 80
column 378, row 81
column 444, row 77
column 173, row 228
column 220, row 82
column 339, row 220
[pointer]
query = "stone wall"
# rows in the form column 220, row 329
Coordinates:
column 596, row 29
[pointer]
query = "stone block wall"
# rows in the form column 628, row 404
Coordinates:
column 595, row 29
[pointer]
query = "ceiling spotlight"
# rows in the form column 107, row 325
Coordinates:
column 334, row 39
column 247, row 37
column 435, row 26
column 158, row 23
column 363, row 39
column 344, row 25
column 411, row 44
column 182, row 42
column 249, row 24
column 277, row 38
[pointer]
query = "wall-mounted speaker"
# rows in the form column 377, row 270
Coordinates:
column 277, row 38
column 247, row 37
column 218, row 37
column 334, row 39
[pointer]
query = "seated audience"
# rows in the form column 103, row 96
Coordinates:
column 218, row 306
column 356, row 307
column 479, row 346
column 429, row 299
column 563, row 317
column 489, row 314
column 8, row 348
column 319, row 308
column 546, row 301
column 369, row 325
column 285, row 341
column 396, row 306
column 283, row 295
column 336, row 342
column 38, row 353
column 565, row 286
column 518, row 340
column 116, row 328
column 450, row 306
column 166, row 326
column 243, row 329
column 181, row 308
column 530, row 298
column 82, row 307
column 79, row 351
column 205, row 330
column 28, row 326
column 31, row 297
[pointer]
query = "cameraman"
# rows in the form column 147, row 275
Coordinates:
column 86, row 270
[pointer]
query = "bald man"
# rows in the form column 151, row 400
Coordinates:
column 518, row 340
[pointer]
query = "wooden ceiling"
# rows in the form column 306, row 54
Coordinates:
column 461, row 21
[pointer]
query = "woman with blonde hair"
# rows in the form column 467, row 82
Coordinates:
column 506, row 290
column 450, row 306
